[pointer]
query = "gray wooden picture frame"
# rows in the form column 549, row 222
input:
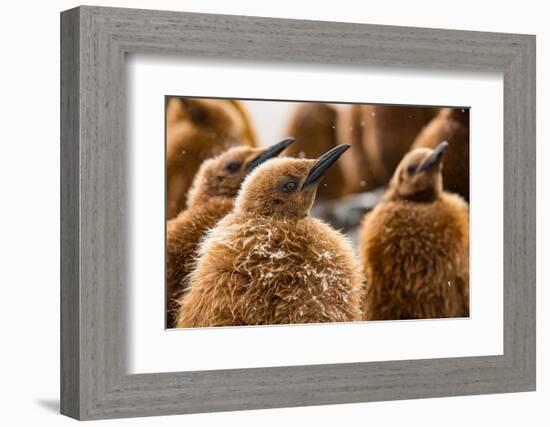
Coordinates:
column 94, row 41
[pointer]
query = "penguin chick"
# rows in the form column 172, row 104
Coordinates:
column 210, row 198
column 198, row 129
column 451, row 125
column 358, row 175
column 269, row 262
column 313, row 125
column 414, row 245
column 388, row 134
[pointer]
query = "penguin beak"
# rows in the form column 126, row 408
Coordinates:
column 322, row 164
column 269, row 153
column 434, row 158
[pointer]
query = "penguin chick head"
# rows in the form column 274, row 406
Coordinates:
column 285, row 187
column 216, row 117
column 223, row 175
column 418, row 176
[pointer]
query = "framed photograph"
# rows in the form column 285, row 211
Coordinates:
column 261, row 213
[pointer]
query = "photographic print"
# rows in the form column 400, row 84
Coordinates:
column 315, row 226
column 283, row 212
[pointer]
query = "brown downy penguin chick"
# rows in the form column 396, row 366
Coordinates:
column 210, row 199
column 388, row 133
column 313, row 125
column 414, row 245
column 198, row 129
column 451, row 125
column 269, row 262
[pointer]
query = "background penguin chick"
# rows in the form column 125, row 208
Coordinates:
column 210, row 198
column 314, row 127
column 414, row 245
column 358, row 175
column 452, row 125
column 387, row 135
column 197, row 129
column 268, row 262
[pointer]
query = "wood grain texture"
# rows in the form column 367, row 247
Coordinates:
column 94, row 200
column 70, row 292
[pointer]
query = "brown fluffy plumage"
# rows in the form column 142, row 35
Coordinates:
column 198, row 129
column 415, row 245
column 268, row 262
column 452, row 125
column 210, row 199
column 183, row 235
column 358, row 175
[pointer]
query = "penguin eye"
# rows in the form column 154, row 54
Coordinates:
column 288, row 186
column 411, row 169
column 233, row 167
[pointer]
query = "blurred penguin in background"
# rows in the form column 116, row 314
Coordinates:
column 358, row 175
column 380, row 136
column 268, row 262
column 210, row 199
column 451, row 125
column 314, row 127
column 414, row 245
column 197, row 129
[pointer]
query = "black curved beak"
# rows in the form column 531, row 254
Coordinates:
column 322, row 164
column 434, row 158
column 270, row 152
